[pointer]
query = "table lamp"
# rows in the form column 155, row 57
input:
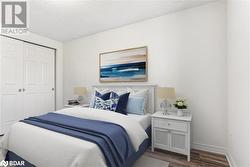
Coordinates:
column 166, row 96
column 80, row 92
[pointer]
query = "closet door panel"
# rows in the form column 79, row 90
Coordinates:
column 12, row 105
column 38, row 79
column 11, row 82
column 12, row 65
column 33, row 104
column 50, row 103
column 47, row 68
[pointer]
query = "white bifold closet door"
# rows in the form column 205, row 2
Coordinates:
column 27, row 86
column 38, row 80
column 12, row 82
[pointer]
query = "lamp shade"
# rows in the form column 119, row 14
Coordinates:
column 80, row 91
column 166, row 93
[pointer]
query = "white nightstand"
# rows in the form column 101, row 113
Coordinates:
column 172, row 133
column 80, row 105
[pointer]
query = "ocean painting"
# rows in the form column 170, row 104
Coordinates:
column 124, row 65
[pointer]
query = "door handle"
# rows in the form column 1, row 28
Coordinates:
column 19, row 90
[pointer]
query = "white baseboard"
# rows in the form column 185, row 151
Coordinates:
column 230, row 160
column 210, row 148
column 216, row 149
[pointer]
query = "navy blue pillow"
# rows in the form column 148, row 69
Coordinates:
column 104, row 96
column 122, row 103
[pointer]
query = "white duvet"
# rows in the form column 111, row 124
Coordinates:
column 45, row 148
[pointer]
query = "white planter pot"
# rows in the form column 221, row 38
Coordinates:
column 180, row 112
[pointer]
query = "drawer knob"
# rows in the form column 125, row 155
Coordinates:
column 169, row 123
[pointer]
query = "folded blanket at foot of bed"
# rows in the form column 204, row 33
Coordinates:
column 112, row 139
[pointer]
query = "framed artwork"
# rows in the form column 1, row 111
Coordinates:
column 128, row 65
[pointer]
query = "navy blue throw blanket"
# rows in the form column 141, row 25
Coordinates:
column 111, row 138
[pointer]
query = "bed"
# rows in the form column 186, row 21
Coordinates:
column 41, row 146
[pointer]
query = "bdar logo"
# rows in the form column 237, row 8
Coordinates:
column 4, row 163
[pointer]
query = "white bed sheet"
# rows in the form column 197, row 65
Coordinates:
column 143, row 120
column 43, row 147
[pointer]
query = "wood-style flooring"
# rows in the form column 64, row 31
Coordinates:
column 198, row 158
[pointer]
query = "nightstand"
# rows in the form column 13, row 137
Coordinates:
column 80, row 105
column 171, row 133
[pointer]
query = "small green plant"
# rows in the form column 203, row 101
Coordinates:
column 180, row 103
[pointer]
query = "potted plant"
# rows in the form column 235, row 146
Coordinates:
column 181, row 105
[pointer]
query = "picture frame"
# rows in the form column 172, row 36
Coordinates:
column 126, row 65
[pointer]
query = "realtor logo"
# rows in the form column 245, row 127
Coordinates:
column 14, row 17
column 14, row 14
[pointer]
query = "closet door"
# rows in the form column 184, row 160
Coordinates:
column 39, row 94
column 12, row 82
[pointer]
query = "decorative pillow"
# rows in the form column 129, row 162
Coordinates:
column 122, row 101
column 114, row 104
column 136, row 105
column 109, row 104
column 102, row 104
column 103, row 96
column 140, row 93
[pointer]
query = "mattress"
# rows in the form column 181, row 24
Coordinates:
column 56, row 149
column 143, row 120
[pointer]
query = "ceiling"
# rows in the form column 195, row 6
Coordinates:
column 64, row 20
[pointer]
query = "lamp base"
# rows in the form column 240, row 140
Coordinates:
column 80, row 99
column 165, row 112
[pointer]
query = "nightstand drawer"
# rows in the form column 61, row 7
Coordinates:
column 170, row 124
